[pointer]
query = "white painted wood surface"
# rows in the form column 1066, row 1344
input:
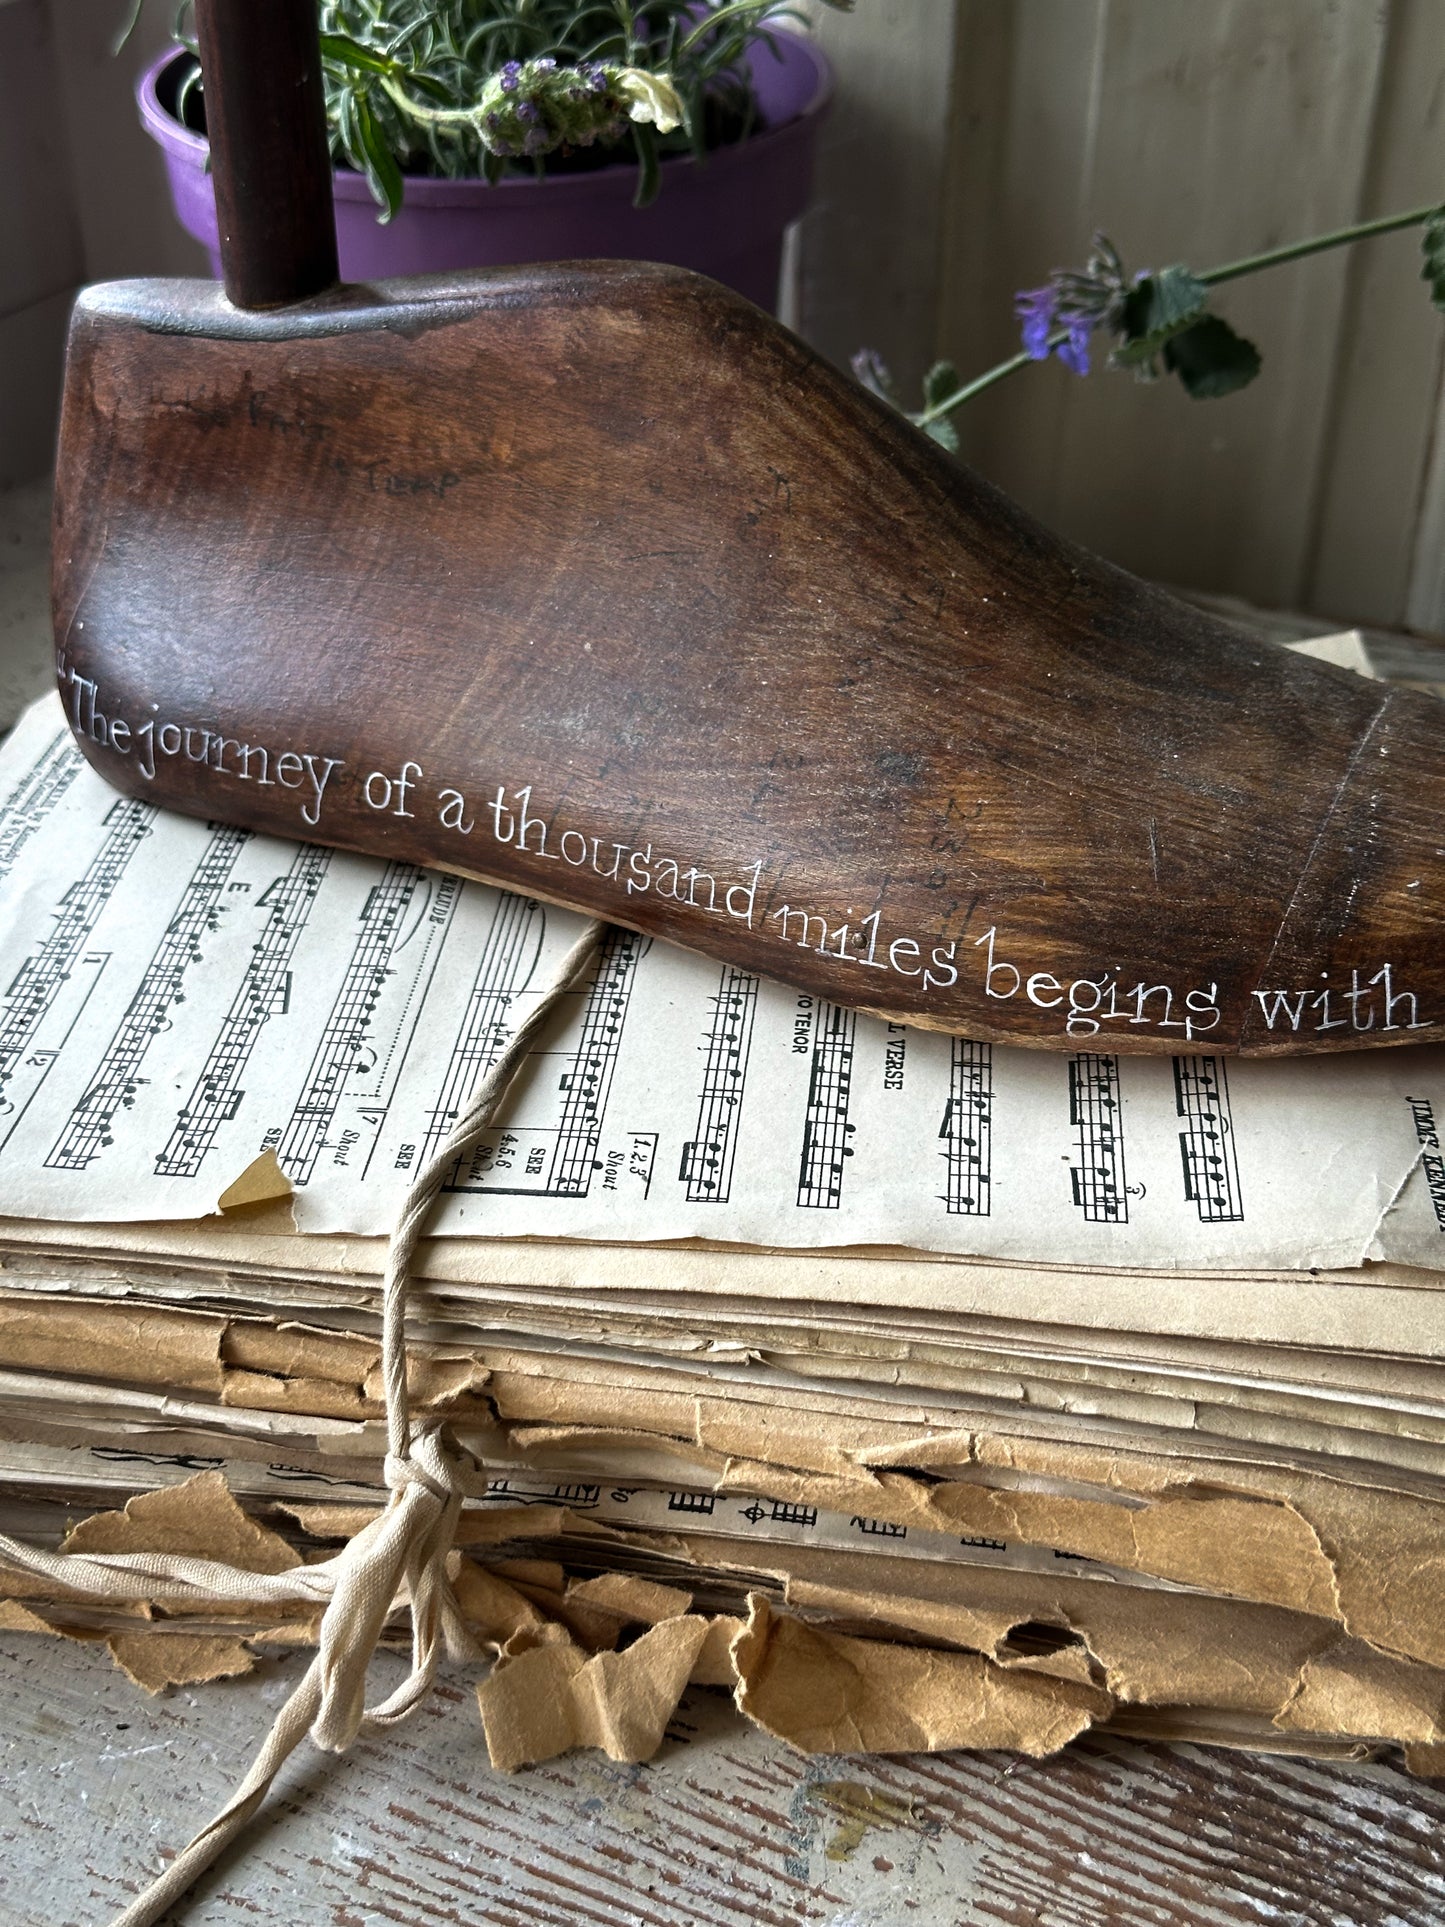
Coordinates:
column 724, row 1829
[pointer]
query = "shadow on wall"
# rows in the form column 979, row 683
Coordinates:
column 84, row 196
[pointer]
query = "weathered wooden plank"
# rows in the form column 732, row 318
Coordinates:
column 40, row 252
column 724, row 1829
column 1375, row 532
column 1202, row 133
column 870, row 247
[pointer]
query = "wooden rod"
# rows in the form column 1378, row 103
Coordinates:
column 266, row 118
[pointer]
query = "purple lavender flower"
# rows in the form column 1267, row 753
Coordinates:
column 534, row 107
column 1074, row 352
column 1071, row 305
column 1035, row 308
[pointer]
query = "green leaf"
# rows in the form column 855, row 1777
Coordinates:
column 649, row 180
column 118, row 45
column 351, row 53
column 366, row 60
column 1158, row 307
column 382, row 172
column 870, row 368
column 944, row 433
column 939, row 383
column 1432, row 246
column 1210, row 359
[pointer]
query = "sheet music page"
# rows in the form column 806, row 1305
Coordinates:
column 176, row 997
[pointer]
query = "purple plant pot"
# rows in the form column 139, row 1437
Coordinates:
column 725, row 218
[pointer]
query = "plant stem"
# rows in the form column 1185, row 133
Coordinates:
column 1211, row 278
column 1297, row 250
column 433, row 116
column 976, row 386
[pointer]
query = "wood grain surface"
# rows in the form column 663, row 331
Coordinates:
column 597, row 583
column 724, row 1829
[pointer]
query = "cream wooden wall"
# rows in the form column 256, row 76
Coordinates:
column 872, row 257
column 83, row 196
column 1204, row 133
column 40, row 248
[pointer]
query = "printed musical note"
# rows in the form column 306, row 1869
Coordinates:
column 878, row 1528
column 1206, row 1144
column 36, row 794
column 577, row 1494
column 699, row 1502
column 783, row 1512
column 117, row 1076
column 707, row 1156
column 373, row 1016
column 40, row 980
column 967, row 1130
column 264, row 993
column 509, row 956
column 558, row 1158
column 586, row 1084
column 1097, row 1177
column 826, row 1129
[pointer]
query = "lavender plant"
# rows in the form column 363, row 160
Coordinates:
column 462, row 88
column 1157, row 322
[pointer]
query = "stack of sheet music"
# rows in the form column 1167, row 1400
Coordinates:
column 926, row 1394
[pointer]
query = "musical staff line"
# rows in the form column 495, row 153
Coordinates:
column 967, row 1130
column 338, row 1065
column 707, row 1156
column 549, row 1144
column 437, row 907
column 264, row 992
column 36, row 795
column 117, row 1076
column 558, row 1158
column 1206, row 1144
column 826, row 1129
column 588, row 1079
column 878, row 1528
column 1098, row 1178
column 61, row 1019
column 40, row 979
column 509, row 956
